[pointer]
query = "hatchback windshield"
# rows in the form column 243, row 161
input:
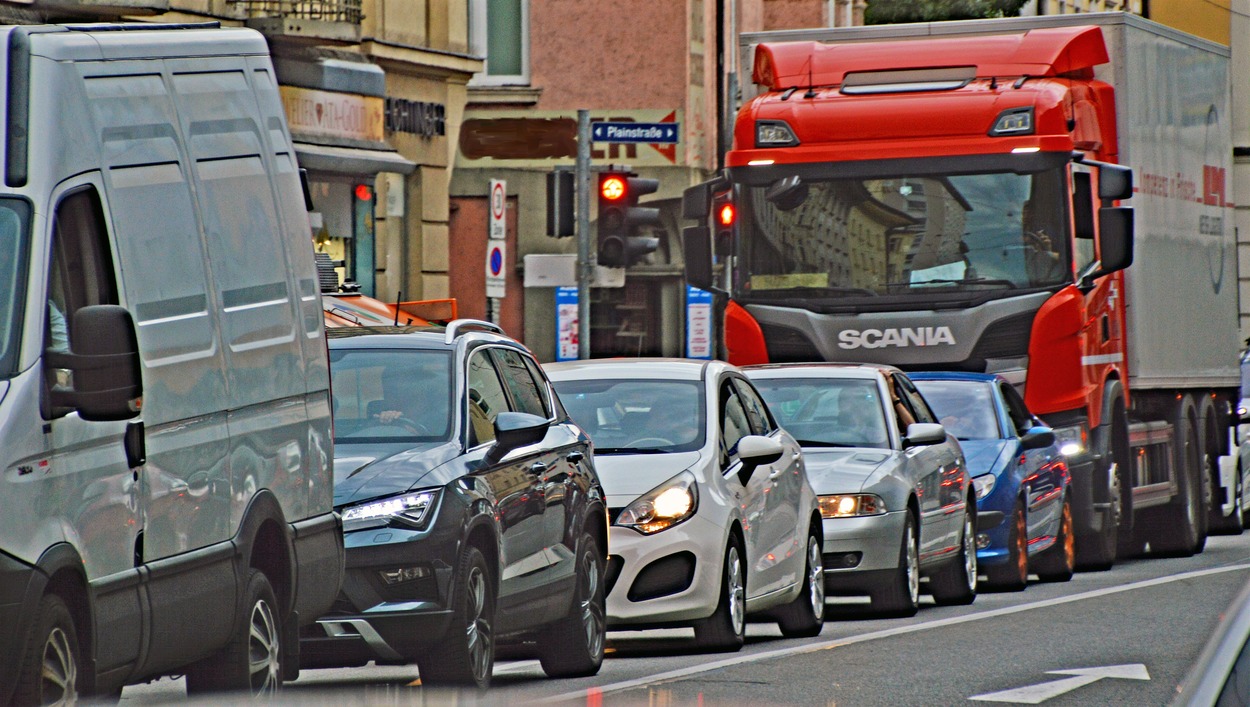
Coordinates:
column 965, row 408
column 391, row 395
column 14, row 246
column 637, row 416
column 824, row 412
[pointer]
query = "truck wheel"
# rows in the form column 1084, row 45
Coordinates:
column 252, row 660
column 805, row 616
column 48, row 673
column 1177, row 528
column 1057, row 563
column 1098, row 552
column 573, row 646
column 1012, row 575
column 466, row 656
column 901, row 595
column 726, row 629
column 956, row 583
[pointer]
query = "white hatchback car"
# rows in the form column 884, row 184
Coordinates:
column 713, row 520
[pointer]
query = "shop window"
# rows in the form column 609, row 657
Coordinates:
column 499, row 31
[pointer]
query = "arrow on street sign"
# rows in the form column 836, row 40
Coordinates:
column 1036, row 694
column 656, row 133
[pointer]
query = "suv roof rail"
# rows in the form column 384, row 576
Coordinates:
column 455, row 326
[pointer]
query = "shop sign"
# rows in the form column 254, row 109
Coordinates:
column 331, row 114
column 416, row 117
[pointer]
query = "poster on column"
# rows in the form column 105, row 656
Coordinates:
column 698, row 323
column 566, row 323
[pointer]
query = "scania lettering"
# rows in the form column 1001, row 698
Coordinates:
column 956, row 195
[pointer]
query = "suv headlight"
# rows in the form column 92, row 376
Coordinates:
column 850, row 505
column 410, row 509
column 662, row 507
column 1073, row 440
column 983, row 484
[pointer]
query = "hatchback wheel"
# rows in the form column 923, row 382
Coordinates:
column 573, row 647
column 467, row 655
column 805, row 616
column 956, row 583
column 1057, row 563
column 725, row 630
column 1012, row 575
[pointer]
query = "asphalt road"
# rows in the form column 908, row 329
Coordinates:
column 1149, row 616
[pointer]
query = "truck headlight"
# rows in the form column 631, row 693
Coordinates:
column 983, row 484
column 850, row 505
column 662, row 507
column 410, row 509
column 1073, row 440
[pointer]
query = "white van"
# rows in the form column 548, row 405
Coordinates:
column 165, row 498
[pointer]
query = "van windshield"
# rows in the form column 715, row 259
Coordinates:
column 14, row 255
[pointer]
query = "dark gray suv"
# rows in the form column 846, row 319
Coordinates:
column 472, row 514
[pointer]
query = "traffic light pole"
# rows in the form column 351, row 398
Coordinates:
column 585, row 259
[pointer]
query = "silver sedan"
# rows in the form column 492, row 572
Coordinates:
column 895, row 495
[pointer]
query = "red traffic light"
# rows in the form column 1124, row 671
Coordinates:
column 612, row 188
column 363, row 192
column 726, row 214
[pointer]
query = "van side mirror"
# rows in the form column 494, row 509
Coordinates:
column 697, row 255
column 1115, row 181
column 1115, row 240
column 107, row 383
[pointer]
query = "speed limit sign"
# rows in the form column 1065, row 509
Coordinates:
column 498, row 209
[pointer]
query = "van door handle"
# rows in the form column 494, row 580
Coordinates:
column 575, row 457
column 538, row 468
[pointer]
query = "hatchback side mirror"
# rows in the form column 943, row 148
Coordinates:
column 755, row 451
column 1037, row 438
column 514, row 430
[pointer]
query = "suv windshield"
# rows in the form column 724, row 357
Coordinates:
column 906, row 234
column 391, row 395
column 14, row 250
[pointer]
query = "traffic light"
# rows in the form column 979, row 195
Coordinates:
column 621, row 218
column 725, row 223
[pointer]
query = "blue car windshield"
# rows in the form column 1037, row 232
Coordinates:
column 965, row 408
column 14, row 251
column 635, row 416
column 825, row 412
column 391, row 395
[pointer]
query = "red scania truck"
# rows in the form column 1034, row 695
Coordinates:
column 948, row 196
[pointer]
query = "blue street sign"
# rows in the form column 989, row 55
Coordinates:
column 655, row 133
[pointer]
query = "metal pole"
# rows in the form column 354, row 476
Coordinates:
column 585, row 263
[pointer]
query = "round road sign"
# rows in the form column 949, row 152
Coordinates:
column 496, row 260
column 497, row 200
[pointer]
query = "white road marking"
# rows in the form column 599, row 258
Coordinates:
column 679, row 673
column 1037, row 694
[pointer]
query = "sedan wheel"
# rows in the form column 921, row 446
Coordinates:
column 901, row 596
column 725, row 630
column 956, row 583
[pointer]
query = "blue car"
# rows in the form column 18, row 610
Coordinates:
column 1024, row 515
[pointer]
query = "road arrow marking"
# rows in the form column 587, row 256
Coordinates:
column 1036, row 694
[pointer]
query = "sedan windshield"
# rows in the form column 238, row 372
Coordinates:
column 14, row 249
column 965, row 408
column 825, row 412
column 905, row 234
column 391, row 395
column 637, row 416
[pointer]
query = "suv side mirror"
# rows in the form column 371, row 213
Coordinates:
column 107, row 383
column 514, row 430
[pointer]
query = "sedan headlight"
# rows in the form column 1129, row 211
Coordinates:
column 662, row 507
column 849, row 505
column 1072, row 440
column 983, row 484
column 411, row 509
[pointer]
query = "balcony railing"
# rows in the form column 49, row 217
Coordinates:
column 345, row 11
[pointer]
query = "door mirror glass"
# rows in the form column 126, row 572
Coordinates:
column 1115, row 182
column 924, row 433
column 1037, row 438
column 1115, row 239
column 755, row 451
column 107, row 384
column 697, row 243
column 514, row 430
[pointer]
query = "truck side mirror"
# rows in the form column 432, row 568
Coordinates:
column 1115, row 240
column 107, row 384
column 697, row 244
column 1115, row 181
column 696, row 201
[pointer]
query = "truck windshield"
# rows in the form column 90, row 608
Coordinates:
column 14, row 253
column 903, row 235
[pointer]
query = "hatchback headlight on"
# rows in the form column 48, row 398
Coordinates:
column 983, row 484
column 850, row 505
column 1073, row 440
column 662, row 507
column 410, row 509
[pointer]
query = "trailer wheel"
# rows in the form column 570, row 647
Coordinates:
column 1178, row 529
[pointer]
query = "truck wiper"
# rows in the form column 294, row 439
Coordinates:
column 837, row 290
column 953, row 281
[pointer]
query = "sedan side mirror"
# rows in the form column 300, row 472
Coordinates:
column 756, row 451
column 1037, row 438
column 920, row 434
column 514, row 430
